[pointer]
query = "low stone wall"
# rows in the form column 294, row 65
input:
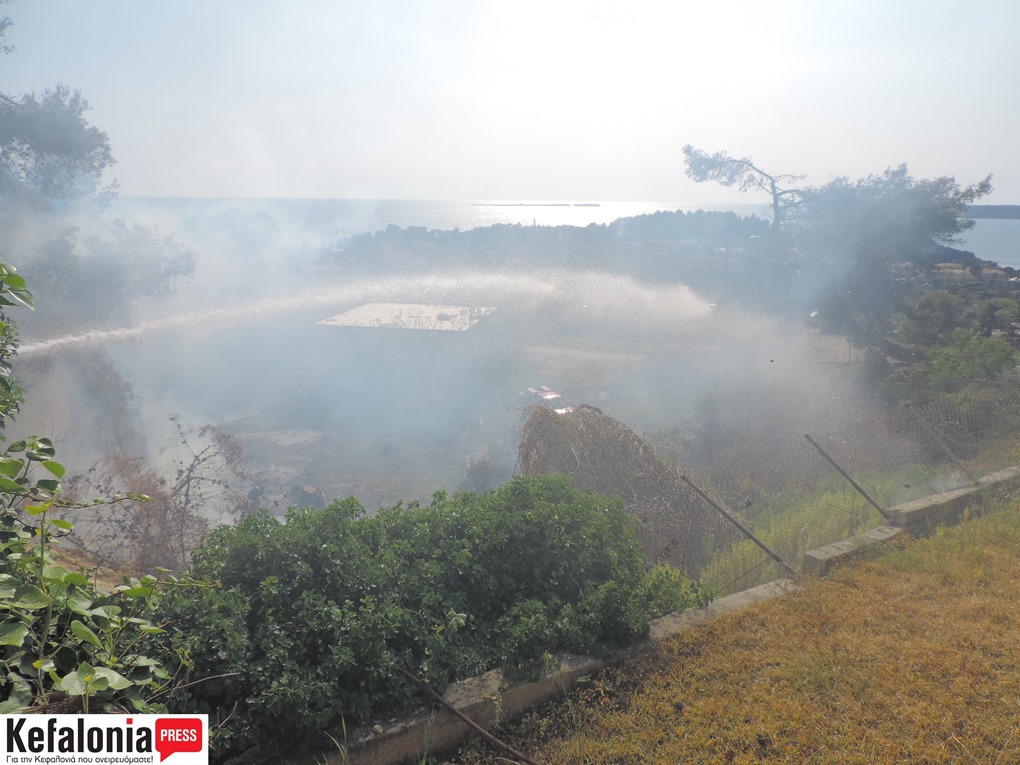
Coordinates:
column 925, row 515
column 920, row 517
column 819, row 561
column 486, row 699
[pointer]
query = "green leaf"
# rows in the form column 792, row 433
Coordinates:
column 78, row 603
column 30, row 597
column 137, row 592
column 65, row 658
column 72, row 684
column 10, row 467
column 37, row 509
column 6, row 484
column 142, row 661
column 49, row 485
column 62, row 524
column 56, row 573
column 17, row 446
column 54, row 467
column 8, row 584
column 21, row 689
column 152, row 630
column 76, row 578
column 85, row 635
column 13, row 633
column 24, row 297
column 10, row 706
column 115, row 680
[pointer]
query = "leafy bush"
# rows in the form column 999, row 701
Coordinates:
column 58, row 630
column 667, row 591
column 316, row 615
column 968, row 358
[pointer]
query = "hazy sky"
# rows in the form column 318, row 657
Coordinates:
column 514, row 99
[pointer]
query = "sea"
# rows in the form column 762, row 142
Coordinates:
column 332, row 220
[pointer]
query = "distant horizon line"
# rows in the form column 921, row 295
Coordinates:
column 509, row 201
column 505, row 202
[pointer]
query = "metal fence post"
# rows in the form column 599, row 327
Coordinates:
column 736, row 522
column 848, row 477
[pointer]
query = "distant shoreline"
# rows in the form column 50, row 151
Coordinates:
column 536, row 204
column 1007, row 212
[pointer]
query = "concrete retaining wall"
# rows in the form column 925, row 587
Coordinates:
column 486, row 699
column 920, row 517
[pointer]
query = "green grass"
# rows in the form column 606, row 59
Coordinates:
column 795, row 522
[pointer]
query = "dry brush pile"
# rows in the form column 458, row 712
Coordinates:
column 606, row 457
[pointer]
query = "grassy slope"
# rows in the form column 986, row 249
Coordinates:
column 912, row 656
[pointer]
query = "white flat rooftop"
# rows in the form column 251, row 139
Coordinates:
column 447, row 318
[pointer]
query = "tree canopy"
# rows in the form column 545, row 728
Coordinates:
column 744, row 174
column 48, row 149
column 853, row 236
column 842, row 242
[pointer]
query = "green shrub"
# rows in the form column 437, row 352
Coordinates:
column 968, row 358
column 315, row 615
column 666, row 590
column 60, row 632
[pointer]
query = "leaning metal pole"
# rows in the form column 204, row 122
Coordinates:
column 736, row 522
column 849, row 478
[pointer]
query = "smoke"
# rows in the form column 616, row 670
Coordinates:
column 391, row 414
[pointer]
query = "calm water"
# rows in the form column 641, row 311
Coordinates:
column 997, row 240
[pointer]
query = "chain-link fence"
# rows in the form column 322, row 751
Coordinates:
column 794, row 472
column 797, row 494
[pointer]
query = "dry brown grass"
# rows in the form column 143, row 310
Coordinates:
column 605, row 456
column 913, row 656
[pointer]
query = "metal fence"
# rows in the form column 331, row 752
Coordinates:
column 795, row 494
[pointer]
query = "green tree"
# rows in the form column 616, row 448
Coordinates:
column 5, row 24
column 744, row 174
column 84, row 267
column 934, row 316
column 893, row 214
column 862, row 241
column 48, row 150
column 998, row 314
column 968, row 358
